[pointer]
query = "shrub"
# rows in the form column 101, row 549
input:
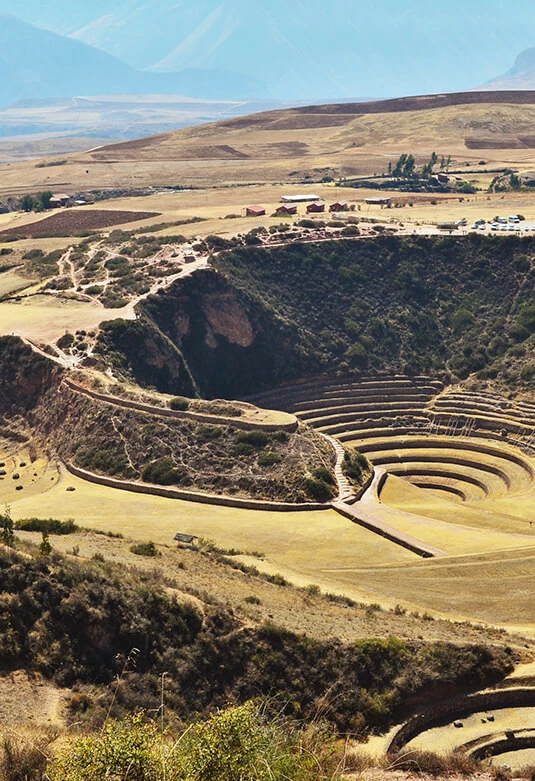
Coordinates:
column 179, row 403
column 236, row 743
column 322, row 473
column 252, row 600
column 354, row 463
column 256, row 438
column 269, row 459
column 319, row 490
column 49, row 525
column 65, row 341
column 206, row 432
column 145, row 549
column 164, row 472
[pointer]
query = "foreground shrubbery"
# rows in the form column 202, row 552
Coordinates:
column 84, row 622
column 237, row 743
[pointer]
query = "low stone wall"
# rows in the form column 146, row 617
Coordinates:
column 481, row 422
column 367, row 414
column 447, row 473
column 370, row 522
column 458, row 708
column 502, row 746
column 362, row 431
column 192, row 496
column 181, row 414
column 469, row 444
column 361, row 409
column 454, row 460
column 313, row 389
column 363, row 399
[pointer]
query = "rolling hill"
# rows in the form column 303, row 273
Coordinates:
column 305, row 144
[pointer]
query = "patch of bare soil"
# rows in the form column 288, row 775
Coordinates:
column 30, row 699
column 75, row 221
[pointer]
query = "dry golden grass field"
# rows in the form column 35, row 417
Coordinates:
column 487, row 578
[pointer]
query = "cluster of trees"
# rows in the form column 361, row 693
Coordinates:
column 392, row 303
column 35, row 203
column 405, row 167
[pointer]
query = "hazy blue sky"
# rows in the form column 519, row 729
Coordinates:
column 361, row 47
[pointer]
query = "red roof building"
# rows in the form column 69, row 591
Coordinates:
column 316, row 207
column 286, row 208
column 254, row 211
column 339, row 206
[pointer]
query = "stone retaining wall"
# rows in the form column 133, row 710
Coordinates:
column 192, row 496
column 456, row 444
column 181, row 414
column 457, row 708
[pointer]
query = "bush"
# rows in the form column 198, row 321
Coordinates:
column 322, row 473
column 236, row 743
column 179, row 403
column 65, row 341
column 164, row 472
column 256, row 438
column 49, row 525
column 319, row 490
column 145, row 549
column 269, row 459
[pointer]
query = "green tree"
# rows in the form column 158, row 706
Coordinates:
column 43, row 201
column 7, row 535
column 27, row 203
column 45, row 548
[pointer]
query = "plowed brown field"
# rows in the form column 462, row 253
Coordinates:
column 74, row 221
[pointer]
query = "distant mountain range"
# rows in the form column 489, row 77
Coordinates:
column 37, row 63
column 299, row 50
column 520, row 76
column 304, row 50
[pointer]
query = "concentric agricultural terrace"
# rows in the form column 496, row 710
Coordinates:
column 466, row 458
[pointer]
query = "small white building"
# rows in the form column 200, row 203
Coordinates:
column 299, row 198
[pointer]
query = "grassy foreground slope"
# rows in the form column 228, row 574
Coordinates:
column 77, row 622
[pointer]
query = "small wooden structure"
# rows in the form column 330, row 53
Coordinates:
column 286, row 208
column 316, row 207
column 59, row 199
column 377, row 201
column 339, row 206
column 254, row 211
column 186, row 538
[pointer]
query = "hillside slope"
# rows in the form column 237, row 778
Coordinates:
column 442, row 305
column 307, row 143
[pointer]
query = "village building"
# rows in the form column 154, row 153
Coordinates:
column 254, row 211
column 316, row 207
column 286, row 208
column 339, row 206
column 59, row 199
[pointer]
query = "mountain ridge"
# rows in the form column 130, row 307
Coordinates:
column 38, row 63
